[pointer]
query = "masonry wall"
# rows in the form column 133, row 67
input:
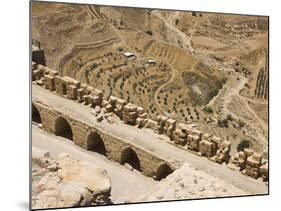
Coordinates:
column 214, row 148
column 149, row 163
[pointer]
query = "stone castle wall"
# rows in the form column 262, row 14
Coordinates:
column 115, row 146
column 180, row 134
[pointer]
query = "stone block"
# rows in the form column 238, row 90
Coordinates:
column 109, row 108
column 96, row 100
column 80, row 93
column 104, row 103
column 71, row 92
column 98, row 92
column 60, row 85
column 197, row 132
column 85, row 99
column 252, row 173
column 130, row 117
column 248, row 152
column 140, row 110
column 159, row 129
column 193, row 142
column 51, row 72
column 143, row 115
column 257, row 156
column 179, row 137
column 171, row 123
column 140, row 122
column 207, row 148
column 216, row 140
column 151, row 124
column 253, row 162
column 130, row 108
column 185, row 128
column 49, row 82
column 71, row 81
column 206, row 136
column 242, row 155
column 112, row 100
column 121, row 102
column 37, row 74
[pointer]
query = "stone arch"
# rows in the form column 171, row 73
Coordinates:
column 36, row 117
column 63, row 128
column 128, row 155
column 163, row 171
column 95, row 143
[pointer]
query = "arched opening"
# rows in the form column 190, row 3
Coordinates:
column 129, row 156
column 95, row 143
column 163, row 171
column 35, row 115
column 63, row 128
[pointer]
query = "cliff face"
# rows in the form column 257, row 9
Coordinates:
column 67, row 182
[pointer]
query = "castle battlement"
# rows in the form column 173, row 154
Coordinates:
column 180, row 134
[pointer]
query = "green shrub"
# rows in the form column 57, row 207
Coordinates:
column 243, row 145
column 208, row 109
column 223, row 123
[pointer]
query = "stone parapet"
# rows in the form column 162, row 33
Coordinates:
column 180, row 134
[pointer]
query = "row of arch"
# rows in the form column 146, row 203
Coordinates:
column 96, row 144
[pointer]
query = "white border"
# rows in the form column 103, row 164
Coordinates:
column 15, row 102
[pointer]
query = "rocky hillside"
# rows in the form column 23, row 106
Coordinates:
column 75, row 37
column 189, row 183
column 194, row 67
column 67, row 182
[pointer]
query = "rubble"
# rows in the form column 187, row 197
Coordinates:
column 67, row 182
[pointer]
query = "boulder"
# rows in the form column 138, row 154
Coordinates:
column 67, row 182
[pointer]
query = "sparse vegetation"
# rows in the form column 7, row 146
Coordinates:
column 214, row 92
column 208, row 109
column 243, row 145
column 223, row 123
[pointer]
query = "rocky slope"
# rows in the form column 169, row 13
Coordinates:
column 190, row 183
column 67, row 182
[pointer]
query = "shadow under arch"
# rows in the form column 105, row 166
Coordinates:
column 36, row 117
column 95, row 143
column 128, row 155
column 63, row 128
column 163, row 171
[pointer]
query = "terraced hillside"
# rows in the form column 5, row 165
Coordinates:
column 209, row 70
